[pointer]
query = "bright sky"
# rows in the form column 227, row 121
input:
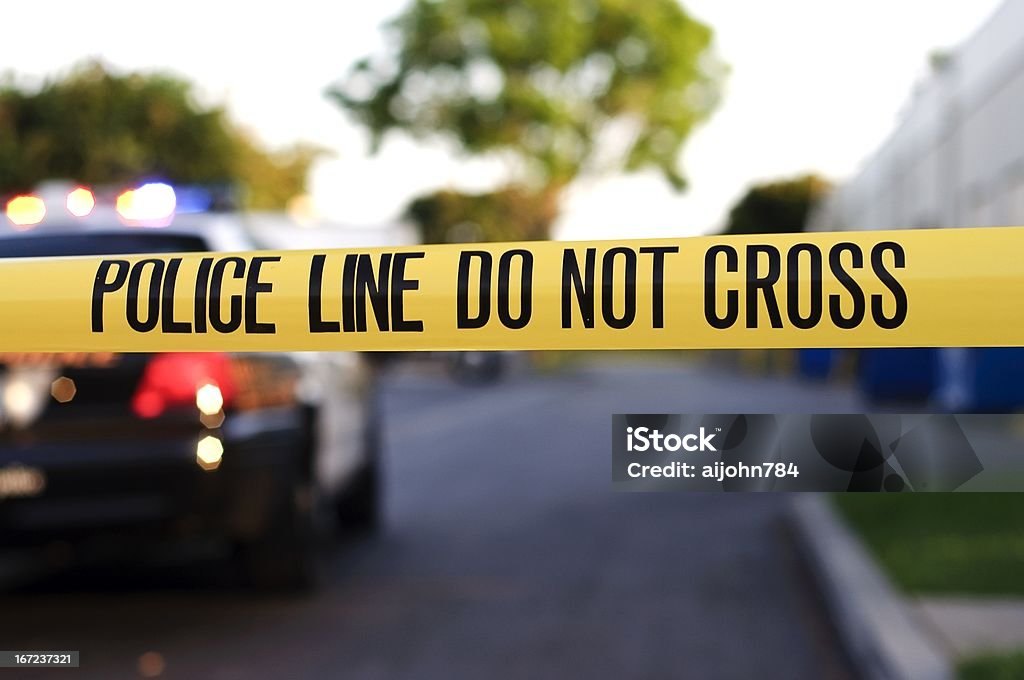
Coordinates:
column 813, row 86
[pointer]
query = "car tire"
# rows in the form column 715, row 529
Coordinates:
column 359, row 508
column 291, row 556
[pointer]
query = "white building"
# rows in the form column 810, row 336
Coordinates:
column 957, row 157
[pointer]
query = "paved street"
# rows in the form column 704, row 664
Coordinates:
column 506, row 555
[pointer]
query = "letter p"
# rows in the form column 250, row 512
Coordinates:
column 102, row 286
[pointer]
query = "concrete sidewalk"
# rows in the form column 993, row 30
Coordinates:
column 884, row 638
column 887, row 634
column 970, row 626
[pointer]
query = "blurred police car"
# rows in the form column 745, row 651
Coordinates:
column 267, row 451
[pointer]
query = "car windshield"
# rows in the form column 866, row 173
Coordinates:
column 64, row 244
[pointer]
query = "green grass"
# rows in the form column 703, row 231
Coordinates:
column 969, row 543
column 993, row 667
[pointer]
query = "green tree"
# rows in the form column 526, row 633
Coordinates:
column 98, row 127
column 455, row 217
column 271, row 179
column 777, row 207
column 555, row 88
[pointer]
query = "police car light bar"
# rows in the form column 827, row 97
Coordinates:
column 80, row 202
column 151, row 204
column 25, row 211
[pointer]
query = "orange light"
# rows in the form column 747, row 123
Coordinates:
column 81, row 202
column 63, row 389
column 26, row 211
column 154, row 203
column 124, row 203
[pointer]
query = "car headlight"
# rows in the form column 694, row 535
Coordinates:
column 24, row 394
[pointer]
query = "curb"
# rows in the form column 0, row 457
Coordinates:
column 882, row 636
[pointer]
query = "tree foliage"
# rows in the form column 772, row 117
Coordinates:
column 98, row 127
column 270, row 180
column 777, row 207
column 508, row 214
column 555, row 87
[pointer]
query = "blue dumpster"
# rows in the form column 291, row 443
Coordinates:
column 898, row 374
column 987, row 379
column 817, row 362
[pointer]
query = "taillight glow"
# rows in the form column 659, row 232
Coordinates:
column 152, row 203
column 80, row 202
column 209, row 452
column 25, row 212
column 209, row 399
column 180, row 380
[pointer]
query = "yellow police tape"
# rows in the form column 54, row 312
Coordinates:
column 955, row 287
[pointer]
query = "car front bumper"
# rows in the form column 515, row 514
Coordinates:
column 152, row 487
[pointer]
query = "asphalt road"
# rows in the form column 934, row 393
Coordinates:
column 506, row 555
